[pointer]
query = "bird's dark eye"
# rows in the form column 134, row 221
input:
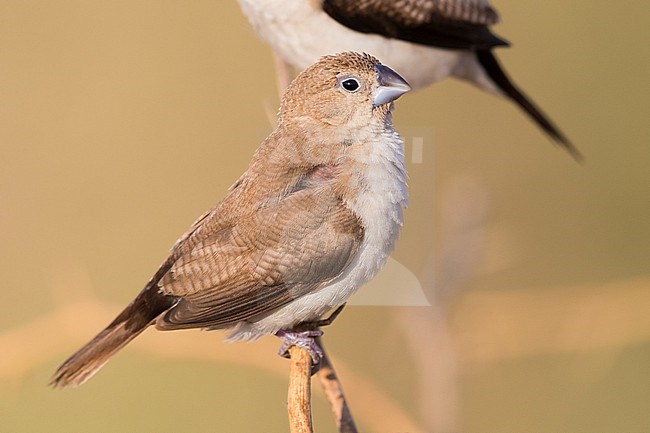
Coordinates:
column 350, row 84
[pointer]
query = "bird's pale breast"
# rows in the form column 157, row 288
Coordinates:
column 379, row 206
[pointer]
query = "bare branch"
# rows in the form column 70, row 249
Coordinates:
column 334, row 393
column 299, row 400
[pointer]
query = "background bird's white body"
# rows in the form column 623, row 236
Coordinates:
column 278, row 22
column 379, row 206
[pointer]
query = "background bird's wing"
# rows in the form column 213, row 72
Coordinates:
column 262, row 261
column 456, row 24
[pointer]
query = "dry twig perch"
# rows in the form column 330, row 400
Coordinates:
column 299, row 400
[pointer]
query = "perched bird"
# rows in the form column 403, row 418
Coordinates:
column 426, row 40
column 314, row 217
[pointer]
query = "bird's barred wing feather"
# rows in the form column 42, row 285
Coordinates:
column 261, row 261
column 456, row 24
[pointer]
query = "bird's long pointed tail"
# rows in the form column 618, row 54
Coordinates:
column 89, row 359
column 494, row 70
column 134, row 319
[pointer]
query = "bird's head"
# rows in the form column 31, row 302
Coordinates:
column 345, row 91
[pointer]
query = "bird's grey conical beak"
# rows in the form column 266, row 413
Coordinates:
column 391, row 86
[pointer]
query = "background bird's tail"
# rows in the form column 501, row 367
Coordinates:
column 127, row 325
column 492, row 67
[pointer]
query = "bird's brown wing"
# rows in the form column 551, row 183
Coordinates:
column 262, row 261
column 455, row 24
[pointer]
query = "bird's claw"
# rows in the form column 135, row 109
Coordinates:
column 304, row 339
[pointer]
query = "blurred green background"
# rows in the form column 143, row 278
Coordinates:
column 122, row 121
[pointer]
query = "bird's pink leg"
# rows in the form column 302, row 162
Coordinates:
column 303, row 339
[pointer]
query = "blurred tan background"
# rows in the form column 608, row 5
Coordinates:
column 122, row 121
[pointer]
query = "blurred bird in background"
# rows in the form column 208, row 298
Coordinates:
column 426, row 40
column 314, row 217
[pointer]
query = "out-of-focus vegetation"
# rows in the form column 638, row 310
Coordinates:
column 120, row 122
